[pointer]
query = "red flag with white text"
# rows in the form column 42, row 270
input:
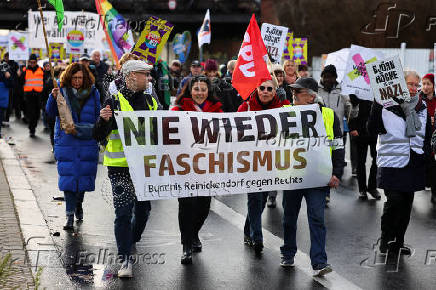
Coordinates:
column 251, row 69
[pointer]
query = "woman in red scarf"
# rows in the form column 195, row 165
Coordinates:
column 197, row 95
column 263, row 98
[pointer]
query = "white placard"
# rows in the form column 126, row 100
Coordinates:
column 207, row 154
column 87, row 22
column 274, row 38
column 18, row 45
column 387, row 81
column 356, row 80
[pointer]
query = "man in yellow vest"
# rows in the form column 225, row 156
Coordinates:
column 304, row 93
column 33, row 79
column 131, row 215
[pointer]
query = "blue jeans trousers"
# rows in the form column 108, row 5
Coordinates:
column 315, row 200
column 253, row 223
column 71, row 200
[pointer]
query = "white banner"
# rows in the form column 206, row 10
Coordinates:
column 387, row 81
column 88, row 23
column 18, row 45
column 206, row 154
column 356, row 80
column 274, row 38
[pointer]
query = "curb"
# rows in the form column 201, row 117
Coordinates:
column 33, row 226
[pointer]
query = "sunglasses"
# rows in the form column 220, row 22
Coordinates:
column 269, row 89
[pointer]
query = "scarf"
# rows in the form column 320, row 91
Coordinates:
column 412, row 120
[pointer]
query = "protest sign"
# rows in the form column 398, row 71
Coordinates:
column 299, row 51
column 339, row 60
column 56, row 52
column 182, row 45
column 88, row 23
column 288, row 46
column 74, row 57
column 3, row 50
column 37, row 52
column 18, row 46
column 75, row 40
column 153, row 39
column 356, row 80
column 274, row 38
column 387, row 81
column 206, row 154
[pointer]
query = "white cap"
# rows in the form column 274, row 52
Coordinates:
column 135, row 65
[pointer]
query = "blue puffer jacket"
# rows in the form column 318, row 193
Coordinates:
column 5, row 84
column 77, row 159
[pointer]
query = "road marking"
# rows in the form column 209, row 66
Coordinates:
column 302, row 260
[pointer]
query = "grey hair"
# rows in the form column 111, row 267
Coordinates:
column 408, row 73
column 94, row 51
column 231, row 65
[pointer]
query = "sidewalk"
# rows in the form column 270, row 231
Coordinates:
column 11, row 241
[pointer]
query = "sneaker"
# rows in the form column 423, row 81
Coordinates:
column 126, row 270
column 287, row 262
column 32, row 135
column 374, row 193
column 5, row 124
column 362, row 195
column 271, row 202
column 327, row 199
column 248, row 241
column 321, row 270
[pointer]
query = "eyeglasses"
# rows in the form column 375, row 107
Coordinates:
column 418, row 86
column 269, row 89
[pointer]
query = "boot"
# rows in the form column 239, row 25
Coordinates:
column 187, row 255
column 197, row 245
column 79, row 211
column 69, row 224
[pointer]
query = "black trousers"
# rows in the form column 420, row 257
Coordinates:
column 396, row 216
column 362, row 152
column 430, row 174
column 353, row 152
column 32, row 102
column 193, row 211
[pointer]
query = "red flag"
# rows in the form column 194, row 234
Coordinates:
column 251, row 69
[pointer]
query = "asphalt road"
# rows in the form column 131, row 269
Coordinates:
column 352, row 230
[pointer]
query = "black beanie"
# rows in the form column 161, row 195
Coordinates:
column 33, row 57
column 329, row 69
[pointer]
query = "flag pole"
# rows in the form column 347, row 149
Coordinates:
column 55, row 84
column 66, row 119
column 201, row 53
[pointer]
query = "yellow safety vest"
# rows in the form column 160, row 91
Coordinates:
column 328, row 116
column 114, row 153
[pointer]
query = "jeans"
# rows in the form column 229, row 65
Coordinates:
column 71, row 200
column 129, row 224
column 362, row 147
column 193, row 212
column 315, row 200
column 253, row 223
column 396, row 215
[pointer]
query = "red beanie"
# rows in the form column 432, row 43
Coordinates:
column 430, row 77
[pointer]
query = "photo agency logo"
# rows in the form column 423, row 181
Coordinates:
column 388, row 20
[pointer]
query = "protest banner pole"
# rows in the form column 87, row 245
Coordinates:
column 55, row 84
column 65, row 116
